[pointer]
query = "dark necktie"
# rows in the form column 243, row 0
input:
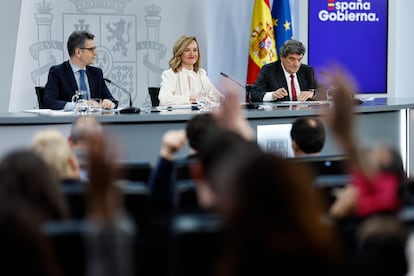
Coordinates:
column 292, row 84
column 82, row 82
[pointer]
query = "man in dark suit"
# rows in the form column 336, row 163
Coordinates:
column 286, row 79
column 76, row 74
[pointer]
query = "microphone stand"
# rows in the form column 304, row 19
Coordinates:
column 127, row 110
column 249, row 104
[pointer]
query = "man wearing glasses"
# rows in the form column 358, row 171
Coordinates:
column 76, row 74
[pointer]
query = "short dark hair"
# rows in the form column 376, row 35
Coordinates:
column 227, row 150
column 198, row 127
column 78, row 39
column 292, row 47
column 309, row 134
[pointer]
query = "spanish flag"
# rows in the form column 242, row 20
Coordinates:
column 262, row 48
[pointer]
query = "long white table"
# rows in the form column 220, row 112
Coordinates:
column 382, row 120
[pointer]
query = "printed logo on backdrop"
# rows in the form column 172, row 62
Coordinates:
column 341, row 11
column 115, row 37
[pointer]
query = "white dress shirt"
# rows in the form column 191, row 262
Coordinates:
column 269, row 95
column 176, row 88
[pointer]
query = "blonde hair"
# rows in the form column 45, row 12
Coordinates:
column 54, row 149
column 178, row 49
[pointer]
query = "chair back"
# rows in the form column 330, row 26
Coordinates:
column 68, row 245
column 185, row 188
column 153, row 92
column 136, row 203
column 190, row 233
column 40, row 90
column 139, row 171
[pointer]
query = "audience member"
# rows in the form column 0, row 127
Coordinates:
column 275, row 79
column 76, row 74
column 374, row 195
column 110, row 233
column 185, row 81
column 82, row 128
column 235, row 140
column 308, row 136
column 28, row 186
column 24, row 249
column 162, row 177
column 379, row 188
column 219, row 161
column 259, row 196
column 267, row 230
column 52, row 146
column 377, row 174
column 29, row 196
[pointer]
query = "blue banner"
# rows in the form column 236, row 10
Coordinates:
column 352, row 34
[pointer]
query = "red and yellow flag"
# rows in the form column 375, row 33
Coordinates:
column 262, row 48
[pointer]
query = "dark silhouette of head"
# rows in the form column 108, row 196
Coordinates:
column 27, row 185
column 197, row 129
column 274, row 221
column 308, row 136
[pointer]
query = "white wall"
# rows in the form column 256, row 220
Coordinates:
column 9, row 22
column 403, row 48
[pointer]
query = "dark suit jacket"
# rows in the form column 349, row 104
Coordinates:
column 61, row 86
column 272, row 77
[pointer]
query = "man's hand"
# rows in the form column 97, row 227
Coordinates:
column 346, row 202
column 279, row 93
column 107, row 104
column 231, row 116
column 172, row 141
column 305, row 95
column 192, row 99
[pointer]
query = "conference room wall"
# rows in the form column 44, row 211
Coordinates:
column 224, row 41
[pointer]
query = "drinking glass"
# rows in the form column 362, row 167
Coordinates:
column 330, row 93
column 81, row 104
column 203, row 100
column 95, row 105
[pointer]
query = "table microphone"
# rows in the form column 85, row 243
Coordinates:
column 249, row 104
column 127, row 110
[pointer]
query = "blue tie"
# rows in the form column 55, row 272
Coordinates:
column 82, row 82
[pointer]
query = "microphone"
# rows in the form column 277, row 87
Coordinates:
column 249, row 104
column 127, row 110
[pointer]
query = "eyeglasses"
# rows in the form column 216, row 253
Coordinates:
column 92, row 49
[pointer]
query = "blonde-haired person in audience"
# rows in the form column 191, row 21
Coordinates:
column 54, row 149
column 185, row 81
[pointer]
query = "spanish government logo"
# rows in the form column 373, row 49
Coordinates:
column 116, row 38
column 348, row 11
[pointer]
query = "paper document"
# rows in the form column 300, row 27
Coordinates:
column 50, row 112
column 177, row 106
column 303, row 102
